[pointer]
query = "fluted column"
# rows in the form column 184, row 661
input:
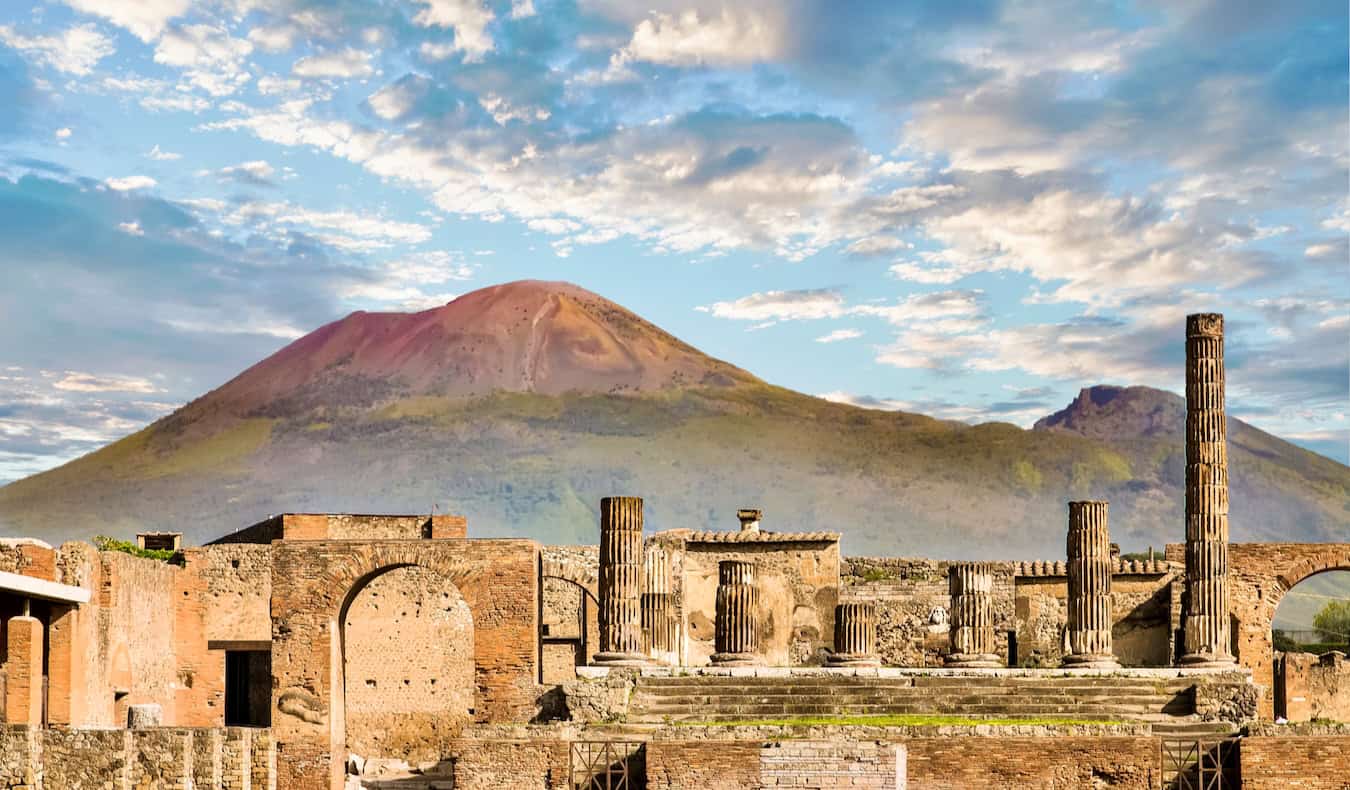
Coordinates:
column 620, row 582
column 1206, row 612
column 1089, row 572
column 737, row 626
column 659, row 625
column 855, row 635
column 972, row 616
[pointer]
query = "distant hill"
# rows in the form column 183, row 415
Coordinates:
column 521, row 405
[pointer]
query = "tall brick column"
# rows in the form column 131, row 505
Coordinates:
column 23, row 686
column 972, row 616
column 1089, row 572
column 620, row 582
column 1205, row 616
column 855, row 635
column 736, row 631
column 659, row 630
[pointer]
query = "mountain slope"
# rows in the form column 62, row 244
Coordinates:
column 521, row 405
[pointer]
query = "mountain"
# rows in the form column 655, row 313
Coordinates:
column 521, row 405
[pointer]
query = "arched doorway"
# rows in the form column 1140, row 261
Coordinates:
column 1310, row 634
column 408, row 665
column 570, row 627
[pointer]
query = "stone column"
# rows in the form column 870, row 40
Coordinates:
column 855, row 635
column 972, row 616
column 737, row 626
column 1206, row 612
column 620, row 582
column 659, row 631
column 1089, row 572
column 23, row 686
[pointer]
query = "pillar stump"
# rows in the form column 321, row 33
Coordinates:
column 855, row 635
column 972, row 616
column 1089, row 572
column 620, row 615
column 659, row 625
column 1206, row 611
column 23, row 688
column 737, row 626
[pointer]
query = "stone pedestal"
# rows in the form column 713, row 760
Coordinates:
column 855, row 635
column 1206, row 612
column 1089, row 576
column 659, row 624
column 620, row 615
column 23, row 684
column 737, row 626
column 972, row 616
column 142, row 717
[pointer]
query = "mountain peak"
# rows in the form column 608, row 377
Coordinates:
column 1107, row 412
column 525, row 336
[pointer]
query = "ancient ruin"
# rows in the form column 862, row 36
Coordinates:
column 327, row 651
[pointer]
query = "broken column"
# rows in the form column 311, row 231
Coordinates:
column 658, row 620
column 1205, row 616
column 855, row 635
column 620, row 582
column 972, row 616
column 1089, row 575
column 23, row 687
column 737, row 628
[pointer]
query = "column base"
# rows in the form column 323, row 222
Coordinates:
column 1207, row 661
column 1090, row 662
column 734, row 659
column 852, row 660
column 972, row 660
column 620, row 660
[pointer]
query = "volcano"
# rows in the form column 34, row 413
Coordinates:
column 521, row 405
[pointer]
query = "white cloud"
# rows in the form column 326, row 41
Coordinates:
column 840, row 335
column 781, row 306
column 521, row 9
column 74, row 381
column 211, row 58
column 469, row 18
column 258, row 172
column 162, row 156
column 273, row 38
column 128, row 183
column 178, row 102
column 342, row 64
column 872, row 246
column 63, row 133
column 131, row 228
column 402, row 281
column 74, row 51
column 393, row 101
column 734, row 37
column 146, row 19
column 346, row 230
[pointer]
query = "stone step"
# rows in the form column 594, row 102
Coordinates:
column 754, row 691
column 811, row 709
column 944, row 703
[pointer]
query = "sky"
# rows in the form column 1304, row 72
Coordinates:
column 965, row 209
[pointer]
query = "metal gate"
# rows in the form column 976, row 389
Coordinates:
column 607, row 765
column 1200, row 764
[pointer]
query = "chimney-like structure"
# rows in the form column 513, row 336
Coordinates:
column 750, row 518
column 621, row 561
column 1205, row 616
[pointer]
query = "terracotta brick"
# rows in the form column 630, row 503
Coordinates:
column 23, row 686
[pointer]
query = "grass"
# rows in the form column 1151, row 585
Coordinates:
column 896, row 720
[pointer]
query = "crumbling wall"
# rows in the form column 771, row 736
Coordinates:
column 497, row 764
column 408, row 640
column 1312, row 687
column 1140, row 613
column 571, row 630
column 237, row 580
column 1309, row 762
column 913, row 599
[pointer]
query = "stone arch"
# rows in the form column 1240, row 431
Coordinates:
column 561, row 650
column 1309, row 566
column 313, row 584
column 584, row 576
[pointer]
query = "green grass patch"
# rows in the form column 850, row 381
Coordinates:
column 897, row 720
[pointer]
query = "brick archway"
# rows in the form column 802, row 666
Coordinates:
column 1260, row 574
column 582, row 576
column 313, row 582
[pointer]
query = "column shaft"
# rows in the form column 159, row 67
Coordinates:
column 736, row 630
column 620, row 582
column 1089, row 577
column 855, row 635
column 972, row 616
column 1206, row 629
column 659, row 626
column 23, row 686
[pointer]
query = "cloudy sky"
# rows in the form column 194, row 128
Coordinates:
column 969, row 209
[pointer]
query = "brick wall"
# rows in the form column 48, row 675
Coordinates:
column 494, row 765
column 1121, row 763
column 1305, row 762
column 831, row 765
column 1311, row 687
column 706, row 765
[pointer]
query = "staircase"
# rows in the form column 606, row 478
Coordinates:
column 723, row 699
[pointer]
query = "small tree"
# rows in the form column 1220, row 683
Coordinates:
column 1334, row 622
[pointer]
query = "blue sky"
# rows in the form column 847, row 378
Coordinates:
column 968, row 209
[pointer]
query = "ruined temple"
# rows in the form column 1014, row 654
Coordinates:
column 315, row 651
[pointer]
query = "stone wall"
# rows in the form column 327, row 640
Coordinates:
column 798, row 589
column 1311, row 687
column 571, row 612
column 1306, row 762
column 238, row 588
column 1140, row 612
column 707, row 765
column 1122, row 763
column 912, row 598
column 348, row 526
column 498, row 764
column 167, row 758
